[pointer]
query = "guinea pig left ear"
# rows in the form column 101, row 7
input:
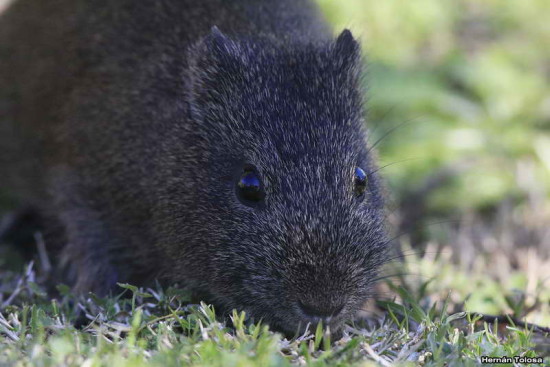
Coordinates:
column 347, row 50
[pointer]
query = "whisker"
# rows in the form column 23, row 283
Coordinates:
column 380, row 121
column 396, row 275
column 400, row 257
column 391, row 164
column 426, row 224
column 391, row 131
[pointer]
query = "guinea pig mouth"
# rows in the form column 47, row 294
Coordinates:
column 301, row 317
column 314, row 313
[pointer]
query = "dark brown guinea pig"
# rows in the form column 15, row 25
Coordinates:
column 214, row 144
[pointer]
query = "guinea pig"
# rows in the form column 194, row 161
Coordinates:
column 218, row 145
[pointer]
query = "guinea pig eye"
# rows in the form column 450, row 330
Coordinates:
column 360, row 181
column 249, row 187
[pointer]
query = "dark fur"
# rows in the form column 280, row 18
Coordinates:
column 128, row 123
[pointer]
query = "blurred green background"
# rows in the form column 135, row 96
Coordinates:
column 469, row 80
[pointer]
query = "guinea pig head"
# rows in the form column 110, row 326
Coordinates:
column 289, row 217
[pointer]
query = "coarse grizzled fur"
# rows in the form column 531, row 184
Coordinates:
column 128, row 123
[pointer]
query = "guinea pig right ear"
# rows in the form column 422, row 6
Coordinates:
column 219, row 45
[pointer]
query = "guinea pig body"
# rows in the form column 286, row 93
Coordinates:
column 217, row 145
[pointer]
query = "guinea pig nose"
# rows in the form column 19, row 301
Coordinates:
column 315, row 311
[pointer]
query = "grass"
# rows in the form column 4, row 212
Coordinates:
column 471, row 80
column 421, row 322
